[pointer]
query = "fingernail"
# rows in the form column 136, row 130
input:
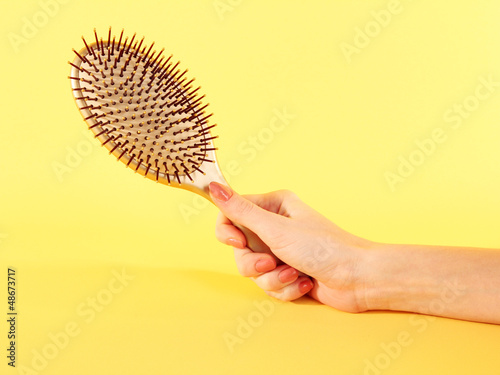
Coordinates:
column 220, row 192
column 305, row 286
column 288, row 275
column 264, row 265
column 235, row 243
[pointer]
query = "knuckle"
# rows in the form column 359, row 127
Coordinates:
column 288, row 194
column 243, row 269
column 245, row 208
column 264, row 282
column 282, row 297
column 274, row 295
column 287, row 295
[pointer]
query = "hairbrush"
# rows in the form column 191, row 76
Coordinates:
column 145, row 110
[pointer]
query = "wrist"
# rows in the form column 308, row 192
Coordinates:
column 368, row 275
column 355, row 271
column 388, row 280
column 373, row 278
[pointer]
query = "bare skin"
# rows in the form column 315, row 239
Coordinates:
column 311, row 255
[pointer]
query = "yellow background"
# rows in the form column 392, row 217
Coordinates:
column 68, row 235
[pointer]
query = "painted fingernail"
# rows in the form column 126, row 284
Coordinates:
column 220, row 192
column 288, row 275
column 235, row 243
column 305, row 286
column 264, row 265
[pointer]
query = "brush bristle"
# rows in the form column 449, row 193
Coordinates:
column 142, row 107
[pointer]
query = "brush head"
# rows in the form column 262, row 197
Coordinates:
column 145, row 111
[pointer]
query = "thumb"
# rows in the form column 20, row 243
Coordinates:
column 241, row 211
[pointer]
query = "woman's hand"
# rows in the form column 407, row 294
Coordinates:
column 350, row 273
column 311, row 255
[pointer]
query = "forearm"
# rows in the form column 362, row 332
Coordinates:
column 461, row 283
